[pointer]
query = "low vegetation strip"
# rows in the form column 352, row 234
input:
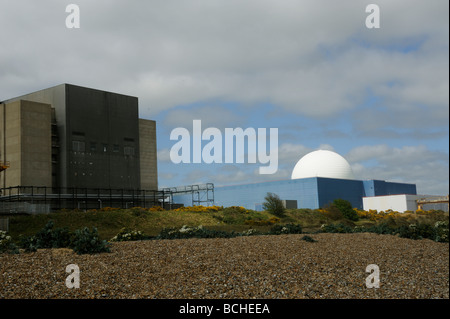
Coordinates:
column 76, row 229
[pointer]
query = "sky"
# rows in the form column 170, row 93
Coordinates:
column 377, row 96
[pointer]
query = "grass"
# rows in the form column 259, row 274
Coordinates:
column 110, row 222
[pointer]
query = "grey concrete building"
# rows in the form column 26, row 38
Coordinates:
column 71, row 136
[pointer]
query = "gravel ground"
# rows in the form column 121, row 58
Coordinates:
column 281, row 266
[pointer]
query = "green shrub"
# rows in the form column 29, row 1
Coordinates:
column 441, row 231
column 193, row 232
column 250, row 232
column 417, row 231
column 29, row 244
column 129, row 235
column 308, row 239
column 336, row 228
column 286, row 229
column 383, row 229
column 47, row 237
column 6, row 243
column 345, row 207
column 86, row 241
column 240, row 215
column 274, row 205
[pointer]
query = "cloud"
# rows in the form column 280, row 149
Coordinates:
column 307, row 57
column 163, row 155
column 426, row 168
column 309, row 60
column 210, row 115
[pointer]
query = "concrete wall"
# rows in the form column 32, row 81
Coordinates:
column 56, row 97
column 399, row 203
column 25, row 141
column 148, row 151
column 95, row 137
column 107, row 124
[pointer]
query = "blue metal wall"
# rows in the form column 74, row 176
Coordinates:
column 251, row 196
column 331, row 189
column 311, row 193
column 381, row 188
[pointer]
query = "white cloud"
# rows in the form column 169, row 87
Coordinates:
column 419, row 165
column 307, row 57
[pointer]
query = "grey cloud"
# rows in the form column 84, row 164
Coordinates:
column 170, row 53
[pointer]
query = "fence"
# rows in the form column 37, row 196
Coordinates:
column 33, row 199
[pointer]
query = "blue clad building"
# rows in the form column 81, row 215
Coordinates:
column 318, row 179
column 315, row 192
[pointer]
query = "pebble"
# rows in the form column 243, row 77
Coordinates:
column 282, row 266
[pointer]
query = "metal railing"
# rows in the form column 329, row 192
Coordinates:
column 83, row 198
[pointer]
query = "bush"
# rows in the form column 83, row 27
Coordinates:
column 47, row 237
column 199, row 209
column 87, row 242
column 345, row 207
column 274, row 205
column 129, row 235
column 6, row 243
column 308, row 239
column 336, row 228
column 441, row 232
column 262, row 222
column 286, row 229
column 250, row 232
column 417, row 231
column 331, row 212
column 192, row 232
column 383, row 229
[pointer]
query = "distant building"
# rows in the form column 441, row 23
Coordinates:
column 70, row 136
column 403, row 202
column 317, row 179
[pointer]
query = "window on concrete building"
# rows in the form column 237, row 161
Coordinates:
column 93, row 146
column 78, row 146
column 116, row 148
column 128, row 150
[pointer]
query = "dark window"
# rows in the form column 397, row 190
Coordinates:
column 93, row 146
column 128, row 150
column 116, row 148
column 78, row 146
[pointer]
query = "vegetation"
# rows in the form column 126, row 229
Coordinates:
column 274, row 205
column 437, row 232
column 82, row 241
column 88, row 231
column 86, row 241
column 6, row 243
column 346, row 209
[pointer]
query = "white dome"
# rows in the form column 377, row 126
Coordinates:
column 322, row 163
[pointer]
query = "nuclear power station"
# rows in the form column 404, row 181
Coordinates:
column 72, row 147
column 317, row 179
column 67, row 142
